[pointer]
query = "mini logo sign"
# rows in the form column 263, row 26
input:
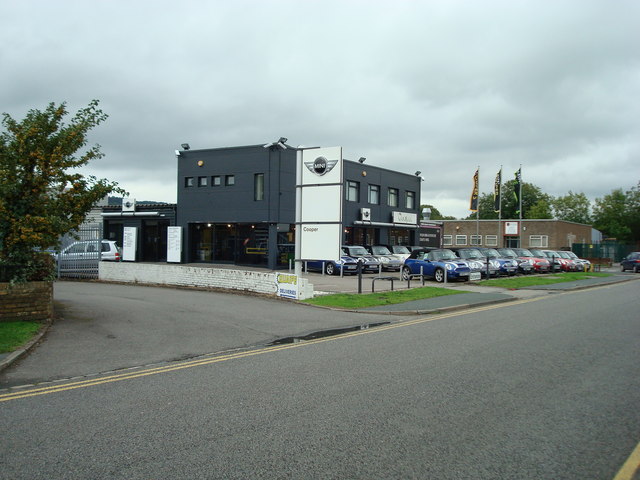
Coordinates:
column 321, row 165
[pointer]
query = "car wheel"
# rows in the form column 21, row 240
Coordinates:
column 330, row 269
column 439, row 275
column 406, row 272
column 637, row 269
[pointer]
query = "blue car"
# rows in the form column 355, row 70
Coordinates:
column 631, row 262
column 434, row 263
column 506, row 266
column 346, row 265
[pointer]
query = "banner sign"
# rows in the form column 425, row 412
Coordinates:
column 287, row 285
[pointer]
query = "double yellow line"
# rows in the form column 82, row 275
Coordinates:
column 129, row 375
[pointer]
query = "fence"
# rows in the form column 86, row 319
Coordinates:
column 613, row 251
column 80, row 253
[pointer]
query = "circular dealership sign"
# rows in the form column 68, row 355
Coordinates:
column 320, row 166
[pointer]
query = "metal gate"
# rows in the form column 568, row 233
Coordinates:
column 80, row 253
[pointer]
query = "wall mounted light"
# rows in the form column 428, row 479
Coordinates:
column 362, row 159
column 185, row 146
column 418, row 173
column 200, row 163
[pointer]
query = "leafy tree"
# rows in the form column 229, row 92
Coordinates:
column 42, row 196
column 573, row 207
column 540, row 210
column 531, row 195
column 435, row 213
column 617, row 214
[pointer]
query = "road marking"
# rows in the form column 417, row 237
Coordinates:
column 630, row 467
column 129, row 375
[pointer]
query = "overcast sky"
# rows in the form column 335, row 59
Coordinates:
column 437, row 86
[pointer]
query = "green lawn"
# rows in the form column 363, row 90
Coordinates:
column 354, row 300
column 532, row 280
column 15, row 334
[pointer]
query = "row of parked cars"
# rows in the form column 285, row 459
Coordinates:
column 450, row 263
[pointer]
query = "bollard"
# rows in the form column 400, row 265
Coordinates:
column 359, row 276
column 323, row 269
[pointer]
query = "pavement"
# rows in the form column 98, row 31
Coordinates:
column 473, row 296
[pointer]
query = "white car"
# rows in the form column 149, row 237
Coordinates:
column 388, row 260
column 85, row 255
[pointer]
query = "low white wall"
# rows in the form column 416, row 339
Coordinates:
column 190, row 276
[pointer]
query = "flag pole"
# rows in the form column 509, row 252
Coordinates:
column 499, row 207
column 478, row 211
column 520, row 205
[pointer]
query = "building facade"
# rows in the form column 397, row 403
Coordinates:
column 237, row 205
column 547, row 234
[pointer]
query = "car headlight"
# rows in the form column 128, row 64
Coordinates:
column 384, row 259
column 450, row 266
column 495, row 264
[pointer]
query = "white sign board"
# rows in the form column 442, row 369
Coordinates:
column 511, row 228
column 287, row 285
column 320, row 216
column 129, row 243
column 321, row 241
column 402, row 217
column 174, row 244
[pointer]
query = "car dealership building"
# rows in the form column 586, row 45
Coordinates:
column 237, row 205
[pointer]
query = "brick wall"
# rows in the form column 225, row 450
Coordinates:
column 190, row 276
column 28, row 301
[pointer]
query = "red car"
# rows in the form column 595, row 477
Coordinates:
column 539, row 262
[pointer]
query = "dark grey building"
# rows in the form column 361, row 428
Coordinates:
column 151, row 220
column 237, row 205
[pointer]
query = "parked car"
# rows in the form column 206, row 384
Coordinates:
column 525, row 265
column 567, row 264
column 359, row 253
column 388, row 260
column 631, row 262
column 400, row 250
column 586, row 264
column 346, row 265
column 490, row 268
column 506, row 266
column 540, row 262
column 85, row 255
column 436, row 263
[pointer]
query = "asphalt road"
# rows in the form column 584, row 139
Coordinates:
column 104, row 327
column 546, row 388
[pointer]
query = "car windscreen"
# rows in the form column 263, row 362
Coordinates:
column 357, row 251
column 469, row 253
column 400, row 249
column 380, row 251
column 442, row 255
column 523, row 252
column 490, row 252
column 507, row 252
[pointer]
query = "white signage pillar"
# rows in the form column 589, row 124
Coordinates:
column 129, row 244
column 174, row 244
column 319, row 186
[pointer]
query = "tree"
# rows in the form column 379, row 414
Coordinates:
column 573, row 207
column 617, row 214
column 42, row 197
column 435, row 213
column 540, row 210
column 531, row 195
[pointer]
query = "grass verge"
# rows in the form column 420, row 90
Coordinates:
column 354, row 300
column 16, row 334
column 533, row 280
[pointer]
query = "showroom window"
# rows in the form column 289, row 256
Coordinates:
column 374, row 194
column 539, row 241
column 475, row 240
column 411, row 200
column 393, row 197
column 353, row 191
column 461, row 239
column 491, row 240
column 202, row 181
column 447, row 240
column 258, row 187
column 216, row 180
column 189, row 182
column 229, row 180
